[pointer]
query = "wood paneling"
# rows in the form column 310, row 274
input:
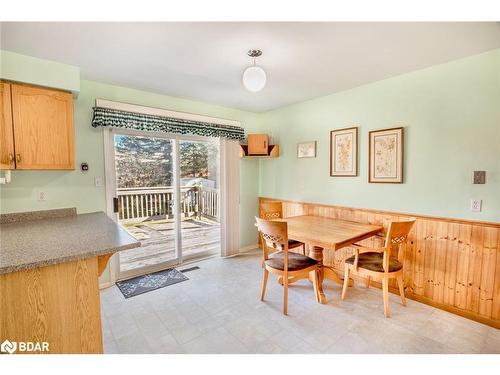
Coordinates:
column 58, row 304
column 452, row 264
column 43, row 128
column 6, row 130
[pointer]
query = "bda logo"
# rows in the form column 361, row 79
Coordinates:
column 8, row 347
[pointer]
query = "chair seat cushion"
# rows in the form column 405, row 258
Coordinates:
column 296, row 262
column 372, row 261
column 293, row 244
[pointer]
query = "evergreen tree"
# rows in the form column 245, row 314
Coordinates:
column 148, row 162
column 143, row 162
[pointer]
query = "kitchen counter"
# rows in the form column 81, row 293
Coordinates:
column 50, row 263
column 42, row 242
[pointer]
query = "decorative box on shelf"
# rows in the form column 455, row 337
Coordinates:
column 258, row 146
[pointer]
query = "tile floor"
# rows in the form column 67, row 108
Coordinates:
column 218, row 311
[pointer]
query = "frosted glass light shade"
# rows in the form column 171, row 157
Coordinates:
column 254, row 78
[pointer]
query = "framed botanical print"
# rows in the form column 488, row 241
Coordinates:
column 385, row 150
column 344, row 152
column 306, row 150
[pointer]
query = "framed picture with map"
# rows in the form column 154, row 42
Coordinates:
column 385, row 150
column 344, row 152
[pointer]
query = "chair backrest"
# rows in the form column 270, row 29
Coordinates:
column 271, row 210
column 274, row 235
column 397, row 235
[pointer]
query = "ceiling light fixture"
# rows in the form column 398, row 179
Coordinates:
column 254, row 77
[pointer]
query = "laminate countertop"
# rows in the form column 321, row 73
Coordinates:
column 47, row 241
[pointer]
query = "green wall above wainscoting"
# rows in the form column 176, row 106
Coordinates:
column 27, row 69
column 451, row 116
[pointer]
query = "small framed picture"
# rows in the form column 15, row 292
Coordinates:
column 344, row 152
column 306, row 149
column 385, row 150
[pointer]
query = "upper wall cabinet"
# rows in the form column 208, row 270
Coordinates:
column 258, row 144
column 6, row 130
column 37, row 128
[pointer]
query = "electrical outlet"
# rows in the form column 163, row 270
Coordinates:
column 475, row 205
column 98, row 181
column 41, row 196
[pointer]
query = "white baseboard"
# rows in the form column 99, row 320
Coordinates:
column 243, row 250
column 105, row 285
column 248, row 248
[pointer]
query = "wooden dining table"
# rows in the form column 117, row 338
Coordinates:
column 320, row 233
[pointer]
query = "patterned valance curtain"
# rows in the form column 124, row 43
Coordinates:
column 138, row 121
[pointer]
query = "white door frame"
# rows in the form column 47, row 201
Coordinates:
column 110, row 178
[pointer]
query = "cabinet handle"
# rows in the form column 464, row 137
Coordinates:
column 265, row 145
column 11, row 158
column 18, row 158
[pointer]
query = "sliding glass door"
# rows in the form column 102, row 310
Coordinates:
column 145, row 201
column 167, row 197
column 200, row 199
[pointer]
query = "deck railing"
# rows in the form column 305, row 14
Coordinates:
column 138, row 204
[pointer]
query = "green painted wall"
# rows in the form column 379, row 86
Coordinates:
column 76, row 189
column 451, row 115
column 27, row 69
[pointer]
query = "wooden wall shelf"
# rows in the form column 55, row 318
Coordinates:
column 273, row 151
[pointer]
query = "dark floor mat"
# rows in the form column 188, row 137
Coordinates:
column 151, row 281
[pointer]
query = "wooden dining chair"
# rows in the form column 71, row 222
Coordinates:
column 274, row 210
column 279, row 261
column 379, row 263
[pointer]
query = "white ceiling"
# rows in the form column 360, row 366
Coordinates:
column 204, row 61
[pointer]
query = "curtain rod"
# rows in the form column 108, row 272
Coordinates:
column 127, row 107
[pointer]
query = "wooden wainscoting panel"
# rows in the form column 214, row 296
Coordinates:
column 495, row 306
column 487, row 283
column 440, row 243
column 474, row 274
column 450, row 271
column 430, row 254
column 452, row 264
column 464, row 237
column 58, row 304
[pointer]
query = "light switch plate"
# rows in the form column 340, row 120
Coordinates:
column 475, row 205
column 98, row 181
column 479, row 177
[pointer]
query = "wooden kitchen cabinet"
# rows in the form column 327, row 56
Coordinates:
column 57, row 304
column 42, row 127
column 6, row 130
column 258, row 144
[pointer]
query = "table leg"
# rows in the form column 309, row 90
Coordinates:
column 325, row 272
column 316, row 252
column 330, row 274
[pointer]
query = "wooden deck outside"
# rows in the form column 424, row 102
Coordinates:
column 199, row 236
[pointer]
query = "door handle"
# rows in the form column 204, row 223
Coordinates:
column 11, row 158
column 18, row 158
column 115, row 204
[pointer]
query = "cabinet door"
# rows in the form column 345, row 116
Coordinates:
column 257, row 144
column 43, row 128
column 6, row 131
